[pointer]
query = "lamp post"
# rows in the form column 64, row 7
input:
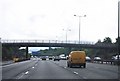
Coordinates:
column 66, row 32
column 118, row 33
column 79, row 24
column 56, row 39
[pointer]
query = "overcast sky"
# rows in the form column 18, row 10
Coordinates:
column 46, row 19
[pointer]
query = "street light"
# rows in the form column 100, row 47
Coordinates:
column 79, row 24
column 66, row 33
column 118, row 31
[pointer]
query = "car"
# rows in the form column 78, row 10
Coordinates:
column 116, row 60
column 16, row 59
column 50, row 58
column 115, row 57
column 63, row 57
column 67, row 57
column 56, row 58
column 97, row 59
column 43, row 57
column 88, row 59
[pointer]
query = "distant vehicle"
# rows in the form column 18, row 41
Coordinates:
column 63, row 57
column 43, row 57
column 56, row 58
column 77, row 58
column 115, row 57
column 97, row 59
column 116, row 60
column 15, row 59
column 88, row 59
column 67, row 57
column 50, row 57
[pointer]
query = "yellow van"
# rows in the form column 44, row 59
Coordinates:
column 77, row 58
column 15, row 59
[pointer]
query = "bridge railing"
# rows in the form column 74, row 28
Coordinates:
column 47, row 41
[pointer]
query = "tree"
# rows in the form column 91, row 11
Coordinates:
column 117, row 40
column 107, row 40
column 9, row 52
column 99, row 41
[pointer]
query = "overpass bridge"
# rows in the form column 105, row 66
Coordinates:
column 57, row 43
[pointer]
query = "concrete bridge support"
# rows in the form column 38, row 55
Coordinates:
column 26, row 52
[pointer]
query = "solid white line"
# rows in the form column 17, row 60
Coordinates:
column 15, row 63
column 9, row 65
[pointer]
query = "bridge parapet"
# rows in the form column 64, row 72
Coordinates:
column 57, row 43
column 46, row 41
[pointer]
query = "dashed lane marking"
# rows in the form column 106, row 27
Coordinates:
column 26, row 72
column 20, row 76
column 65, row 67
column 33, row 67
column 75, row 72
column 35, row 64
column 84, row 77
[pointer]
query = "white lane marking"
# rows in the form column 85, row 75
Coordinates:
column 9, row 65
column 20, row 76
column 75, row 72
column 33, row 67
column 26, row 72
column 15, row 63
column 35, row 64
column 84, row 77
column 65, row 67
column 96, row 67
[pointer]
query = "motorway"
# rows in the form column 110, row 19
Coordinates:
column 49, row 69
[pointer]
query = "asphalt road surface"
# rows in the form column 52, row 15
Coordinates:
column 49, row 69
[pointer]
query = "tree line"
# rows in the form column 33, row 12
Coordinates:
column 103, row 53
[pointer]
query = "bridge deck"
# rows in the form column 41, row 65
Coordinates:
column 56, row 43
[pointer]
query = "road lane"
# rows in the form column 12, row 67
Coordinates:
column 13, row 70
column 93, row 70
column 49, row 70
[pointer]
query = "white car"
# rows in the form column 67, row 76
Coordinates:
column 62, row 57
column 115, row 57
column 88, row 59
column 97, row 59
column 56, row 58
